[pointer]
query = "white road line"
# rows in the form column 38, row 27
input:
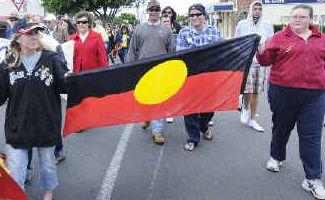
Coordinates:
column 108, row 184
column 155, row 173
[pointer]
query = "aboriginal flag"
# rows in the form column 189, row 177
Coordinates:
column 198, row 80
column 9, row 189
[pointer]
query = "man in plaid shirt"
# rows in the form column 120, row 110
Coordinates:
column 197, row 34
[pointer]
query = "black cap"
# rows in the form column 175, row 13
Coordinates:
column 198, row 7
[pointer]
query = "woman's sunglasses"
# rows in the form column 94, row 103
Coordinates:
column 82, row 22
column 196, row 14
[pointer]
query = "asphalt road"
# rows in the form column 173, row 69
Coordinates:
column 123, row 163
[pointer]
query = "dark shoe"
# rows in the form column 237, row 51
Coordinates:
column 28, row 180
column 59, row 159
column 145, row 125
column 208, row 135
column 158, row 138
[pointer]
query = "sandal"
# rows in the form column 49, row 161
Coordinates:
column 208, row 135
column 190, row 146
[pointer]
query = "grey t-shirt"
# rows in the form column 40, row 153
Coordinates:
column 30, row 61
column 150, row 40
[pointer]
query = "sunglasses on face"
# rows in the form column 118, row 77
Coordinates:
column 196, row 14
column 82, row 22
column 154, row 9
column 168, row 12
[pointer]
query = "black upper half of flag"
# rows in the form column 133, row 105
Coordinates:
column 227, row 55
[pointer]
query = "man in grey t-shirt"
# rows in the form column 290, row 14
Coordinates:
column 148, row 40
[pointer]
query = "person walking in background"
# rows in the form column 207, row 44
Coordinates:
column 166, row 21
column 257, row 75
column 31, row 79
column 297, row 93
column 123, row 40
column 148, row 40
column 110, row 45
column 89, row 47
column 13, row 20
column 175, row 26
column 197, row 34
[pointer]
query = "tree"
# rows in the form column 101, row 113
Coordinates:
column 104, row 10
column 125, row 18
column 183, row 20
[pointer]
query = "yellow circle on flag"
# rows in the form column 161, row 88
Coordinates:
column 161, row 82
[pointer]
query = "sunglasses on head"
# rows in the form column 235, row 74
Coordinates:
column 32, row 32
column 196, row 14
column 154, row 9
column 82, row 22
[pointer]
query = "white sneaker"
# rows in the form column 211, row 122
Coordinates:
column 273, row 165
column 210, row 123
column 244, row 115
column 253, row 123
column 170, row 120
column 315, row 187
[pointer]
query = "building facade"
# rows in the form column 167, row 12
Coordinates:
column 227, row 13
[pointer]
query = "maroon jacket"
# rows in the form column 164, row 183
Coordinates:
column 295, row 62
column 89, row 55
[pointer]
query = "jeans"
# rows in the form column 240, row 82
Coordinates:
column 122, row 54
column 17, row 160
column 194, row 123
column 157, row 126
column 304, row 108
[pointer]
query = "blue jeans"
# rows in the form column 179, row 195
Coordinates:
column 17, row 160
column 157, row 126
column 304, row 108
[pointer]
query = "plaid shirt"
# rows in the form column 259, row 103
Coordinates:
column 189, row 37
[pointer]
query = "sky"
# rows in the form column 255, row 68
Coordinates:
column 181, row 6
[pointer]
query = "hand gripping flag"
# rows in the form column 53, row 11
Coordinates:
column 9, row 189
column 198, row 80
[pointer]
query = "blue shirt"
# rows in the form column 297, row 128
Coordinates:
column 189, row 37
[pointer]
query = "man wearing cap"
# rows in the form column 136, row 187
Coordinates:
column 148, row 40
column 197, row 34
column 12, row 19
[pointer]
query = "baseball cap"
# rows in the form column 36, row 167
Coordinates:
column 153, row 3
column 25, row 27
column 198, row 7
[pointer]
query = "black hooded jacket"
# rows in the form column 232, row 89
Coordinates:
column 33, row 115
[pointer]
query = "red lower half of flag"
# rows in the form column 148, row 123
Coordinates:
column 9, row 189
column 205, row 92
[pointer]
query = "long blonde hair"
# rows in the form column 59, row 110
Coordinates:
column 13, row 57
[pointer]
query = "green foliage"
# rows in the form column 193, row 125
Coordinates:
column 183, row 20
column 125, row 18
column 278, row 27
column 104, row 9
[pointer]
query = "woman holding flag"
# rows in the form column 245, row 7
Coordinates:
column 31, row 79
